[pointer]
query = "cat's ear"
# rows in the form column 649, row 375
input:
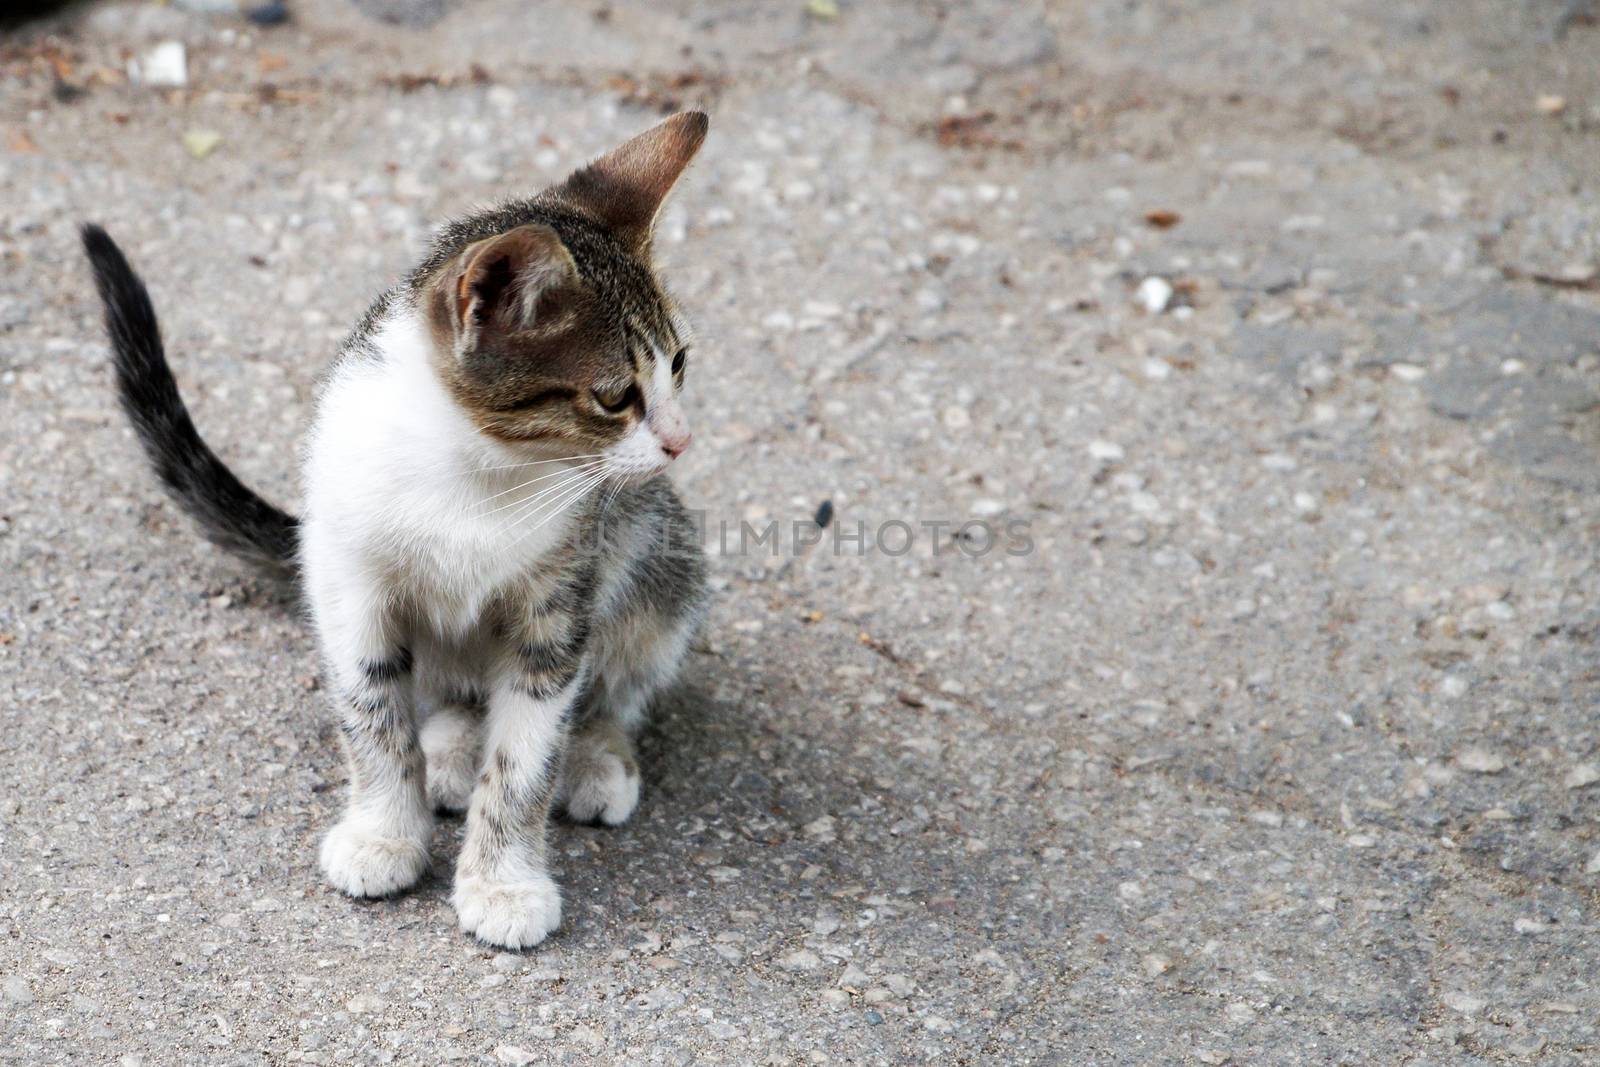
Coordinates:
column 504, row 284
column 624, row 189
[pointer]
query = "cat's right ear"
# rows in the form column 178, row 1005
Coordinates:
column 624, row 188
column 509, row 283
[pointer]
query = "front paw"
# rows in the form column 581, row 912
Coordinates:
column 508, row 914
column 366, row 864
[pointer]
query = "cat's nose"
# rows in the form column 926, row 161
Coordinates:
column 675, row 445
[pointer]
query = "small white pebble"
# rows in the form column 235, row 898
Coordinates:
column 166, row 66
column 1155, row 294
column 802, row 959
column 1583, row 774
column 1481, row 761
column 822, row 829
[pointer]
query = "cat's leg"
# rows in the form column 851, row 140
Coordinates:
column 451, row 739
column 452, row 727
column 637, row 657
column 503, row 890
column 650, row 609
column 380, row 846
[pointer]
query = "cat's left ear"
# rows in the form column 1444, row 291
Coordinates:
column 624, row 189
column 502, row 285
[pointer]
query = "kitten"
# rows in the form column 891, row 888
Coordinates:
column 498, row 572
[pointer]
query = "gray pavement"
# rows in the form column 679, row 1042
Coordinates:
column 1279, row 747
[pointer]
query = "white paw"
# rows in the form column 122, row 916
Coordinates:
column 508, row 914
column 365, row 864
column 600, row 787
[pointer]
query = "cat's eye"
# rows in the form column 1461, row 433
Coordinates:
column 617, row 402
column 678, row 361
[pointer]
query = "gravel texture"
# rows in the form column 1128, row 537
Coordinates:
column 1280, row 744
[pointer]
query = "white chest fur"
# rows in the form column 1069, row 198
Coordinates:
column 403, row 491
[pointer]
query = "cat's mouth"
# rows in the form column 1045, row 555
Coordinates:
column 644, row 453
column 630, row 477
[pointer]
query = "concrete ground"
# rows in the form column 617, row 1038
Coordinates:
column 1278, row 747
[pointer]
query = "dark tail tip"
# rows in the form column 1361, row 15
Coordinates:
column 104, row 255
column 228, row 512
column 96, row 240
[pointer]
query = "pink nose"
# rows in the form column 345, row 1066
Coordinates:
column 676, row 445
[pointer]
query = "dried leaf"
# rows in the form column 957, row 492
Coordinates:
column 827, row 10
column 201, row 143
column 1162, row 218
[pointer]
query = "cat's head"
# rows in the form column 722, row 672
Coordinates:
column 552, row 331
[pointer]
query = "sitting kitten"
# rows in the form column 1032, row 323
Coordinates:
column 499, row 574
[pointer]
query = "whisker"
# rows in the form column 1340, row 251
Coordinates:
column 605, row 509
column 611, row 498
column 526, row 507
column 535, row 481
column 533, row 500
column 535, row 462
column 560, row 505
column 553, row 509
